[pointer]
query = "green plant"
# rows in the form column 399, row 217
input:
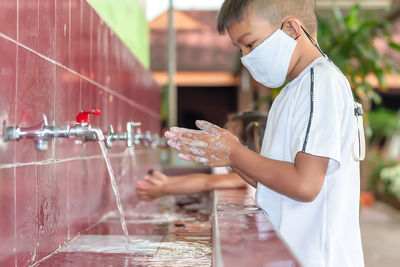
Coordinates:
column 391, row 179
column 377, row 162
column 349, row 43
column 383, row 124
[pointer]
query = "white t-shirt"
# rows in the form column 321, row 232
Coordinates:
column 324, row 232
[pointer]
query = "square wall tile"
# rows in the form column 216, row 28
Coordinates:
column 8, row 18
column 80, row 194
column 101, row 195
column 7, row 219
column 7, row 80
column 86, row 31
column 67, row 106
column 35, row 98
column 99, row 49
column 47, row 28
column 76, row 35
column 28, row 110
column 52, row 208
column 63, row 32
column 29, row 23
column 7, row 93
column 26, row 215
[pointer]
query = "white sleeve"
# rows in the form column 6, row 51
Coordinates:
column 316, row 125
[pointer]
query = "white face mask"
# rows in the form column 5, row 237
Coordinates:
column 269, row 62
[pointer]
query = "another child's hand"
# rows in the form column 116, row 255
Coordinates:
column 211, row 145
column 151, row 186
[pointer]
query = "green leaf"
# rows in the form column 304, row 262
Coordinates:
column 394, row 45
column 380, row 75
column 352, row 18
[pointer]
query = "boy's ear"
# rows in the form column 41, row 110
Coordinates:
column 291, row 27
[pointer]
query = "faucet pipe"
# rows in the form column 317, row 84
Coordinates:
column 126, row 136
column 43, row 132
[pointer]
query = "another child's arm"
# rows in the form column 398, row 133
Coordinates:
column 158, row 184
column 301, row 180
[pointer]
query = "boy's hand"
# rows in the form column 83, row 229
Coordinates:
column 211, row 145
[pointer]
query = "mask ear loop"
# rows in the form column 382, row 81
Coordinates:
column 295, row 37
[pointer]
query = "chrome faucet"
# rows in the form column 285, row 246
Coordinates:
column 142, row 139
column 40, row 133
column 82, row 128
column 127, row 136
column 149, row 140
column 145, row 139
column 43, row 132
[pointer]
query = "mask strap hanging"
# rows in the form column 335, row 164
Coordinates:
column 359, row 141
column 313, row 42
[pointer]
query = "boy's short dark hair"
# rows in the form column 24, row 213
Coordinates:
column 274, row 11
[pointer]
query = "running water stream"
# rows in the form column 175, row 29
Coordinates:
column 115, row 189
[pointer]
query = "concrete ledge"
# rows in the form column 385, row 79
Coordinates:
column 243, row 235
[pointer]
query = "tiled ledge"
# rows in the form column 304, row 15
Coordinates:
column 242, row 234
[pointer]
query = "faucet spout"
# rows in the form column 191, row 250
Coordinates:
column 98, row 133
column 86, row 131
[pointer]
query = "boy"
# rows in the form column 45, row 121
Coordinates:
column 307, row 176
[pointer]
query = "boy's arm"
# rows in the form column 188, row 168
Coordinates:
column 301, row 181
column 246, row 178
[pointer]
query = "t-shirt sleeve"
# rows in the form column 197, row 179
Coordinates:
column 316, row 125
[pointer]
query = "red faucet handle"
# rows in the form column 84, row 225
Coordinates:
column 83, row 115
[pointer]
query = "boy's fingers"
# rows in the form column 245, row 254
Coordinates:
column 207, row 126
column 176, row 132
column 202, row 160
column 191, row 142
column 184, row 157
column 170, row 135
column 173, row 143
column 191, row 150
column 186, row 148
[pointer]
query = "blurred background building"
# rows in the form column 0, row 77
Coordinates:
column 210, row 78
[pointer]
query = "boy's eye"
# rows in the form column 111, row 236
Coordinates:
column 250, row 45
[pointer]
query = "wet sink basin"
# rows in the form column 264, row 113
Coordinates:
column 176, row 235
column 223, row 228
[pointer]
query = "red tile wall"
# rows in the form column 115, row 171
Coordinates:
column 56, row 58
